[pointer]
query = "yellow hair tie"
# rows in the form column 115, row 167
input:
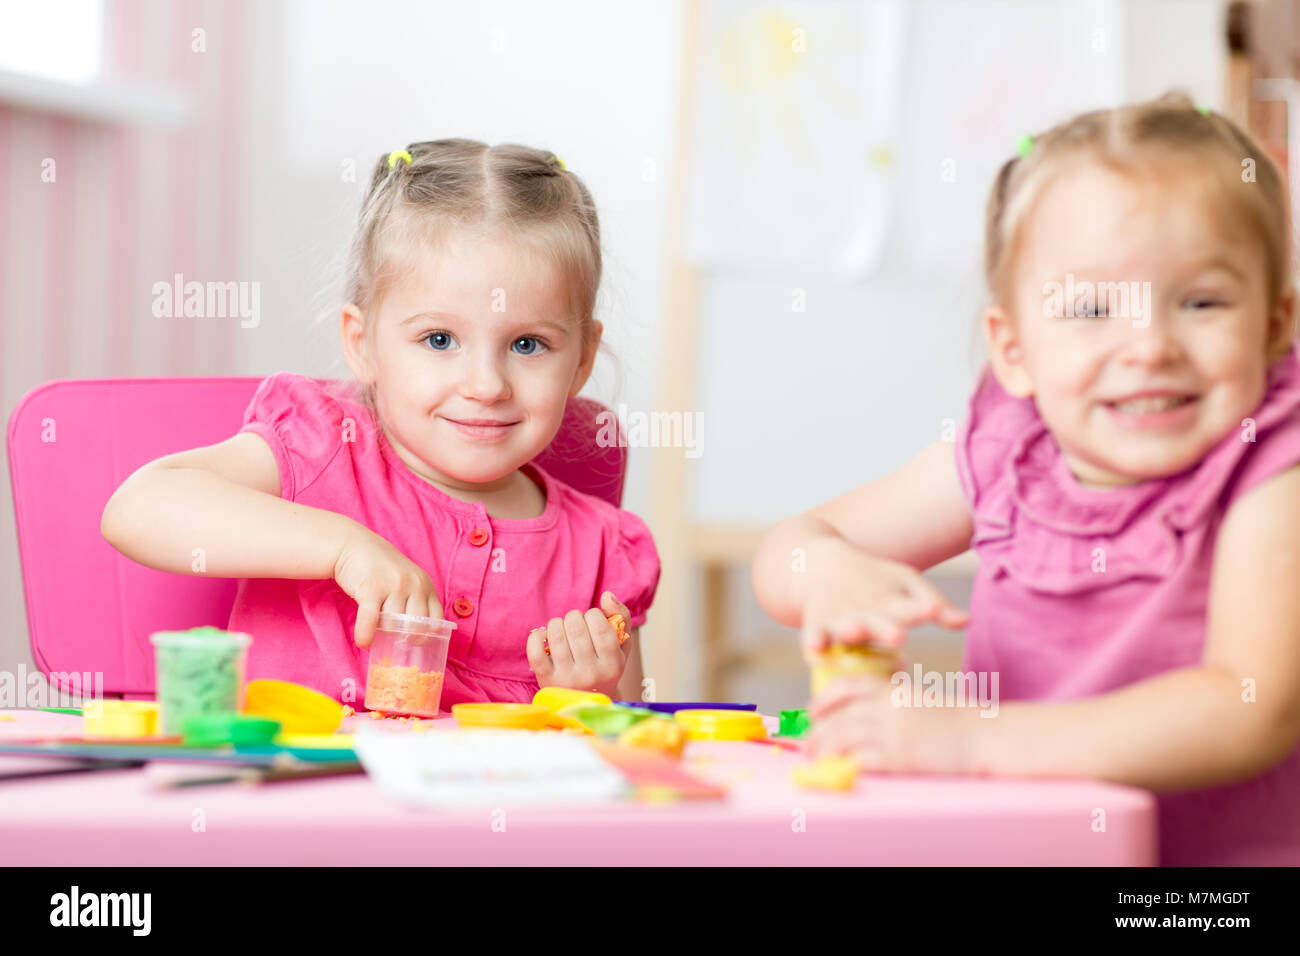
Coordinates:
column 560, row 161
column 397, row 154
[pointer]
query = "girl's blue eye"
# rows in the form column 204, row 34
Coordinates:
column 530, row 346
column 1204, row 302
column 440, row 341
column 1087, row 312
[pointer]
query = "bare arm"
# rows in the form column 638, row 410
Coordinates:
column 217, row 510
column 1230, row 718
column 917, row 516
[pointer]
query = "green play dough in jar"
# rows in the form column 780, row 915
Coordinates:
column 199, row 671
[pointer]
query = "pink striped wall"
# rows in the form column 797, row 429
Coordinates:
column 132, row 205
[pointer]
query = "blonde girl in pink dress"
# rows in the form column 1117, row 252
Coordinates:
column 1128, row 476
column 468, row 324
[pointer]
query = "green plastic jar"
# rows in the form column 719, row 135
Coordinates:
column 199, row 671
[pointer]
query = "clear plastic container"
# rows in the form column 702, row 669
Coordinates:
column 407, row 658
column 199, row 671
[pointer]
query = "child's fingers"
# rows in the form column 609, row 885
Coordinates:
column 954, row 617
column 863, row 627
column 539, row 662
column 847, row 733
column 367, row 620
column 603, row 636
column 812, row 636
column 935, row 602
column 580, row 645
column 866, row 627
column 842, row 691
column 561, row 653
column 612, row 605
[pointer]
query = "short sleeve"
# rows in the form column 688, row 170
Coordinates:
column 1270, row 439
column 996, row 424
column 632, row 567
column 301, row 422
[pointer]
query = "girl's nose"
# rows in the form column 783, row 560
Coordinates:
column 484, row 382
column 1152, row 345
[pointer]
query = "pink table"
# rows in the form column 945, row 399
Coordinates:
column 114, row 818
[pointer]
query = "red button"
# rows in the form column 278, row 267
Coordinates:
column 478, row 537
column 463, row 606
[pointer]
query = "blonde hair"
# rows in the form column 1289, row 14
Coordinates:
column 1129, row 138
column 522, row 193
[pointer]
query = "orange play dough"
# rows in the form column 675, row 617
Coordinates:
column 404, row 689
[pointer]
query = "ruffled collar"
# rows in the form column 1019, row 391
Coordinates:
column 1046, row 489
column 1034, row 520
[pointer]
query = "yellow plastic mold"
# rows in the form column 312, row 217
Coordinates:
column 300, row 710
column 121, row 718
column 722, row 724
column 504, row 715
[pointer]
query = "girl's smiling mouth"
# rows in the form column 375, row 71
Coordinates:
column 1153, row 409
column 482, row 428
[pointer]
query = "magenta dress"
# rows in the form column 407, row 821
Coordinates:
column 497, row 579
column 1083, row 590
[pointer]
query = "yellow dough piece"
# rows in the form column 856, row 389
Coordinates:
column 828, row 773
column 841, row 660
column 666, row 736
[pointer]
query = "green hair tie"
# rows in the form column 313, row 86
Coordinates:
column 1024, row 144
column 560, row 161
column 397, row 154
column 1203, row 110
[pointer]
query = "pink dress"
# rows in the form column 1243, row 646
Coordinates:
column 497, row 579
column 1083, row 590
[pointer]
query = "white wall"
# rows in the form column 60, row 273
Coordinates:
column 594, row 82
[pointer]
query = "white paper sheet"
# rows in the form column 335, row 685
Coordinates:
column 795, row 136
column 487, row 768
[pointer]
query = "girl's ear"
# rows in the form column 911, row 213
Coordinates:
column 588, row 360
column 1006, row 354
column 1282, row 326
column 355, row 347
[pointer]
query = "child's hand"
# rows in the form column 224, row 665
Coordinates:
column 380, row 578
column 856, row 598
column 585, row 651
column 856, row 715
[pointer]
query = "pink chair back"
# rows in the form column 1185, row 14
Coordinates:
column 72, row 443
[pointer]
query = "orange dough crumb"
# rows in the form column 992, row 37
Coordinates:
column 348, row 711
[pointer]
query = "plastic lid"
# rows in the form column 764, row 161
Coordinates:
column 120, row 718
column 228, row 727
column 412, row 624
column 668, row 707
column 201, row 637
column 515, row 716
column 722, row 724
